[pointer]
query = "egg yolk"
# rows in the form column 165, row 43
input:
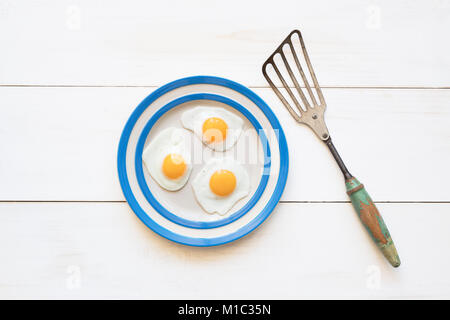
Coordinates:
column 214, row 130
column 222, row 182
column 173, row 166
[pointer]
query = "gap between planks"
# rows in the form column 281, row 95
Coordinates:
column 282, row 201
column 252, row 87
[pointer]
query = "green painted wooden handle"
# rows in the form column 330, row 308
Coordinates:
column 372, row 220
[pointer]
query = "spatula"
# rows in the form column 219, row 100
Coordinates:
column 308, row 108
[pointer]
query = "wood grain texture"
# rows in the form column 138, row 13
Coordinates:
column 301, row 251
column 61, row 143
column 351, row 42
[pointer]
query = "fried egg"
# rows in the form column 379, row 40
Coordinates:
column 218, row 128
column 168, row 158
column 220, row 184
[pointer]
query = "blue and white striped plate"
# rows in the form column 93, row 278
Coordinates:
column 176, row 215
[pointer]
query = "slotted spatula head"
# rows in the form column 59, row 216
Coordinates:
column 304, row 108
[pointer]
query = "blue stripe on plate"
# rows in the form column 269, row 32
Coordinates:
column 160, row 208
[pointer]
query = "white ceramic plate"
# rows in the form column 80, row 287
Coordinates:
column 261, row 148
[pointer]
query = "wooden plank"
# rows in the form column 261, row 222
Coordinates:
column 351, row 42
column 61, row 143
column 101, row 250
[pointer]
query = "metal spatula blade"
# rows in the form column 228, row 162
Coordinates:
column 309, row 109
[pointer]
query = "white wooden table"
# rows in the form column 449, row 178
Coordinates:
column 71, row 72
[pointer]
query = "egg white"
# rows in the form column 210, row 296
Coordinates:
column 170, row 140
column 211, row 202
column 194, row 118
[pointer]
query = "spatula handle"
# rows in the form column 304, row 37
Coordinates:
column 372, row 220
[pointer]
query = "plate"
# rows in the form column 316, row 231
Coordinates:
column 262, row 149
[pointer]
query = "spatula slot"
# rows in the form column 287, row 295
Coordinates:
column 274, row 78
